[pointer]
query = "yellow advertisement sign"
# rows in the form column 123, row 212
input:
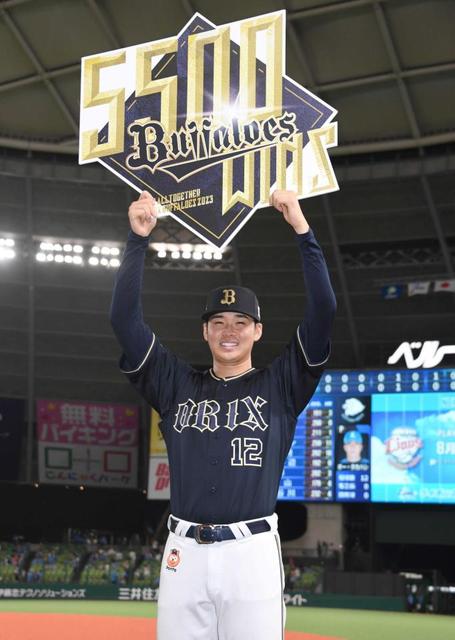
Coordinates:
column 157, row 444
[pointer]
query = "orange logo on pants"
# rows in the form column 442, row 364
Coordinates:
column 173, row 558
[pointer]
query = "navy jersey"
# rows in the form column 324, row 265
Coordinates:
column 227, row 439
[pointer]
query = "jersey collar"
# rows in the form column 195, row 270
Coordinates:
column 240, row 375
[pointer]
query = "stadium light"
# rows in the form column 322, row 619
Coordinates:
column 186, row 251
column 6, row 249
column 71, row 253
column 7, row 242
column 6, row 253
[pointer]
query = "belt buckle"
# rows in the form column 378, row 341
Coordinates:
column 199, row 529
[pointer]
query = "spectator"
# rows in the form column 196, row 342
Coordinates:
column 114, row 574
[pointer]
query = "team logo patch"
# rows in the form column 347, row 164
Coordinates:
column 173, row 560
column 229, row 297
column 403, row 448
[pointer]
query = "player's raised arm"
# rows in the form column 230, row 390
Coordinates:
column 321, row 303
column 126, row 314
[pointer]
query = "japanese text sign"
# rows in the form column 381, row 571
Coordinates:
column 87, row 443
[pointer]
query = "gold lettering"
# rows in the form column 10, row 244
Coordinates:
column 273, row 27
column 264, row 194
column 247, row 195
column 295, row 147
column 320, row 140
column 167, row 87
column 221, row 70
column 93, row 97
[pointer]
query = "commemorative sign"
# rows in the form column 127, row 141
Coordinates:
column 208, row 122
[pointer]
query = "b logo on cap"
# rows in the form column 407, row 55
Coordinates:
column 229, row 297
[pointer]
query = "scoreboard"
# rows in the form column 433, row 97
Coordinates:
column 384, row 436
column 307, row 474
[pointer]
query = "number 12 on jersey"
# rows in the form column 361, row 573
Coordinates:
column 246, row 452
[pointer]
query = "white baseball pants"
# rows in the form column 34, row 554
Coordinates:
column 230, row 590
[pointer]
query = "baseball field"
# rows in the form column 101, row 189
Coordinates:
column 50, row 620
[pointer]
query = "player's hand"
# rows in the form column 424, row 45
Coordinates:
column 143, row 214
column 286, row 202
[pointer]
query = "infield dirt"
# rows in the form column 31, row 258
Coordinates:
column 58, row 626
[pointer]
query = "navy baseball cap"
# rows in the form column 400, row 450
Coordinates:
column 352, row 436
column 232, row 298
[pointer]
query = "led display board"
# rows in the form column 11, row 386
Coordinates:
column 375, row 436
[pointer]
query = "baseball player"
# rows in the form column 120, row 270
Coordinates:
column 228, row 431
column 353, row 446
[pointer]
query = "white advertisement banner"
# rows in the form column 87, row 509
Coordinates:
column 87, row 444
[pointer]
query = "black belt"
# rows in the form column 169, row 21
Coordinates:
column 210, row 533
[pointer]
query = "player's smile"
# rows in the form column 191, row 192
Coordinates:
column 229, row 345
column 229, row 342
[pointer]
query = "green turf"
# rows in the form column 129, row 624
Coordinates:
column 342, row 623
column 370, row 625
column 90, row 607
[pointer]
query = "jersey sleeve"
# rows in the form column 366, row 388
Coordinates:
column 126, row 316
column 151, row 368
column 320, row 306
column 296, row 377
column 300, row 366
column 157, row 377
